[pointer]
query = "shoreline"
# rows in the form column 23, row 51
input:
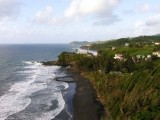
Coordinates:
column 86, row 105
column 85, row 102
column 67, row 112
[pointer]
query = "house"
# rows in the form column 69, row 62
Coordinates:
column 156, row 54
column 157, row 43
column 88, row 45
column 126, row 44
column 149, row 56
column 143, row 56
column 88, row 52
column 138, row 56
column 113, row 48
column 118, row 57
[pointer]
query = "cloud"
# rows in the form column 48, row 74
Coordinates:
column 144, row 8
column 9, row 9
column 139, row 24
column 108, row 21
column 44, row 16
column 148, row 27
column 100, row 11
column 153, row 21
column 80, row 10
column 140, row 28
column 47, row 17
column 129, row 12
column 99, row 8
column 9, row 12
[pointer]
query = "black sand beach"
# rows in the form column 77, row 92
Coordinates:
column 85, row 103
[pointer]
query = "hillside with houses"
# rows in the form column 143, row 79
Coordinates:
column 142, row 49
column 126, row 75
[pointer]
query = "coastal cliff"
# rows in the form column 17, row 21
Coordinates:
column 132, row 96
column 126, row 77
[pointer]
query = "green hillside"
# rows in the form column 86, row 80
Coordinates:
column 128, row 87
column 133, row 42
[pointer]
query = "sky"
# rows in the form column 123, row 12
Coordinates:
column 63, row 21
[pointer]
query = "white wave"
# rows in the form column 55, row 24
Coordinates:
column 66, row 85
column 27, row 62
column 10, row 105
column 63, row 84
column 32, row 62
column 38, row 78
column 48, row 115
column 16, row 99
column 84, row 51
column 26, row 71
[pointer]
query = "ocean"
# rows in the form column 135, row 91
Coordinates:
column 28, row 90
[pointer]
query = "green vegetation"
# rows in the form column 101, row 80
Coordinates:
column 135, row 97
column 129, row 87
column 136, row 42
column 79, row 43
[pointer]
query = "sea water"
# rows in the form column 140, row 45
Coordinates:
column 28, row 90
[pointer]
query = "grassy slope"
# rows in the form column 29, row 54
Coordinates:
column 135, row 97
column 125, row 96
column 143, row 40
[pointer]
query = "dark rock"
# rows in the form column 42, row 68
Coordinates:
column 49, row 63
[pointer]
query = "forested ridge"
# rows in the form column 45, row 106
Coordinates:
column 129, row 88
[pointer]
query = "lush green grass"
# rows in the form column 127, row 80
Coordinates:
column 134, row 97
column 125, row 96
column 132, row 51
column 131, row 93
column 133, row 42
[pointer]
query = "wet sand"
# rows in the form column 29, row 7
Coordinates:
column 85, row 103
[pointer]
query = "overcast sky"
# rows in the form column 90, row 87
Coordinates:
column 63, row 21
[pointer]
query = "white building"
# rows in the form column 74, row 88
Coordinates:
column 138, row 56
column 118, row 57
column 157, row 43
column 156, row 53
column 83, row 51
column 113, row 48
column 126, row 44
column 149, row 56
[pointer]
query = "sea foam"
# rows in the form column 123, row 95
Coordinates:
column 38, row 78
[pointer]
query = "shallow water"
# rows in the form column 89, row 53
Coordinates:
column 28, row 89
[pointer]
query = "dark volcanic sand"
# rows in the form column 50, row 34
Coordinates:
column 85, row 105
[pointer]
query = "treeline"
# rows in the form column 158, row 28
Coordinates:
column 130, row 90
column 133, row 42
column 106, row 63
column 129, row 97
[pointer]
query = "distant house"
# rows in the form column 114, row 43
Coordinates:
column 156, row 53
column 118, row 57
column 157, row 43
column 138, row 56
column 126, row 44
column 113, row 48
column 143, row 56
column 89, row 52
column 88, row 45
column 149, row 56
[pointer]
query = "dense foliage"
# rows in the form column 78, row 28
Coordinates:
column 130, row 97
column 129, row 88
column 105, row 63
column 133, row 42
column 133, row 96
